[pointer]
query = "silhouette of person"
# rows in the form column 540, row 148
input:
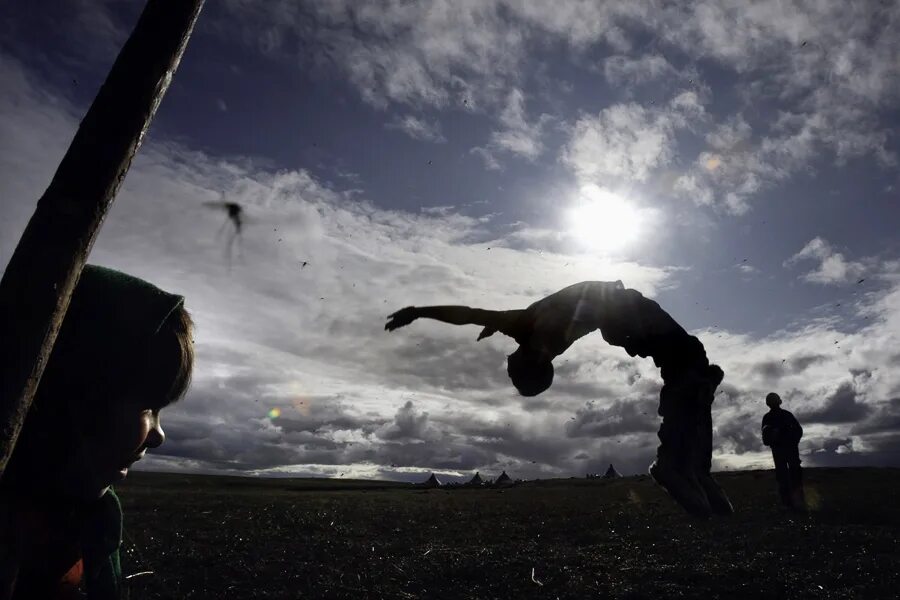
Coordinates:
column 624, row 318
column 781, row 432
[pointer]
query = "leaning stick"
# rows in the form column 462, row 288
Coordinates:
column 45, row 267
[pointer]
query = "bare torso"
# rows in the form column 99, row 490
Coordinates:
column 623, row 316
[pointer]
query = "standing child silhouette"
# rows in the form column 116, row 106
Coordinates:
column 782, row 433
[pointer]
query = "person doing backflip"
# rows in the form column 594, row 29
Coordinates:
column 624, row 318
column 782, row 432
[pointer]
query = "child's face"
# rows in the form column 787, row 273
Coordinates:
column 129, row 431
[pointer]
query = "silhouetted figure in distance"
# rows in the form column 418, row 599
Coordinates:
column 624, row 318
column 781, row 432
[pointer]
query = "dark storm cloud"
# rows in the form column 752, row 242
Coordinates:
column 841, row 407
column 775, row 369
column 224, row 421
column 886, row 419
column 408, row 424
column 798, row 364
column 599, row 381
column 581, row 389
column 323, row 413
column 727, row 393
column 770, row 369
column 620, row 418
column 882, row 450
column 530, row 445
column 451, row 364
column 450, row 455
column 740, row 433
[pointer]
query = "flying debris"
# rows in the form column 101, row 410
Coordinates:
column 860, row 281
column 235, row 216
column 303, row 264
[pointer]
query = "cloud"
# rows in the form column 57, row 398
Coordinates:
column 741, row 434
column 886, row 418
column 516, row 135
column 627, row 142
column 840, row 407
column 408, row 423
column 828, row 71
column 417, row 128
column 833, row 267
column 730, row 170
column 490, row 162
column 431, row 54
column 623, row 70
column 619, row 418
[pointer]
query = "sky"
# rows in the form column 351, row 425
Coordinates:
column 736, row 162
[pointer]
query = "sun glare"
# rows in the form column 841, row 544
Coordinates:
column 604, row 221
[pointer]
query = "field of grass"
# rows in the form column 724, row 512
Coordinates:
column 211, row 537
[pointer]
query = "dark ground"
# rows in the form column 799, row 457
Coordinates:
column 216, row 537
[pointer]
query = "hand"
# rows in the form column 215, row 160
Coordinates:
column 486, row 332
column 401, row 318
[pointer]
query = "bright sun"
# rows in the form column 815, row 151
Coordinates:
column 603, row 220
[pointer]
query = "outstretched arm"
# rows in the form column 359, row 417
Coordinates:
column 492, row 320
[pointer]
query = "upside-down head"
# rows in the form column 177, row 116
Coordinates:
column 531, row 371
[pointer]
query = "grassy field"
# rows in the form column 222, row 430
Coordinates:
column 212, row 537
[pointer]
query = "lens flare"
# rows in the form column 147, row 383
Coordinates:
column 813, row 498
column 275, row 413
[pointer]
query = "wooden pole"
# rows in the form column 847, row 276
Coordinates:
column 45, row 267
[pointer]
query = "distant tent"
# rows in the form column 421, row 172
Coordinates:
column 611, row 473
column 431, row 482
column 476, row 480
column 504, row 479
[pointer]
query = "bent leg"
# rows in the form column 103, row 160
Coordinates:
column 718, row 499
column 681, row 444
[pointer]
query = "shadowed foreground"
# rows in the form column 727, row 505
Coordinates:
column 210, row 537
